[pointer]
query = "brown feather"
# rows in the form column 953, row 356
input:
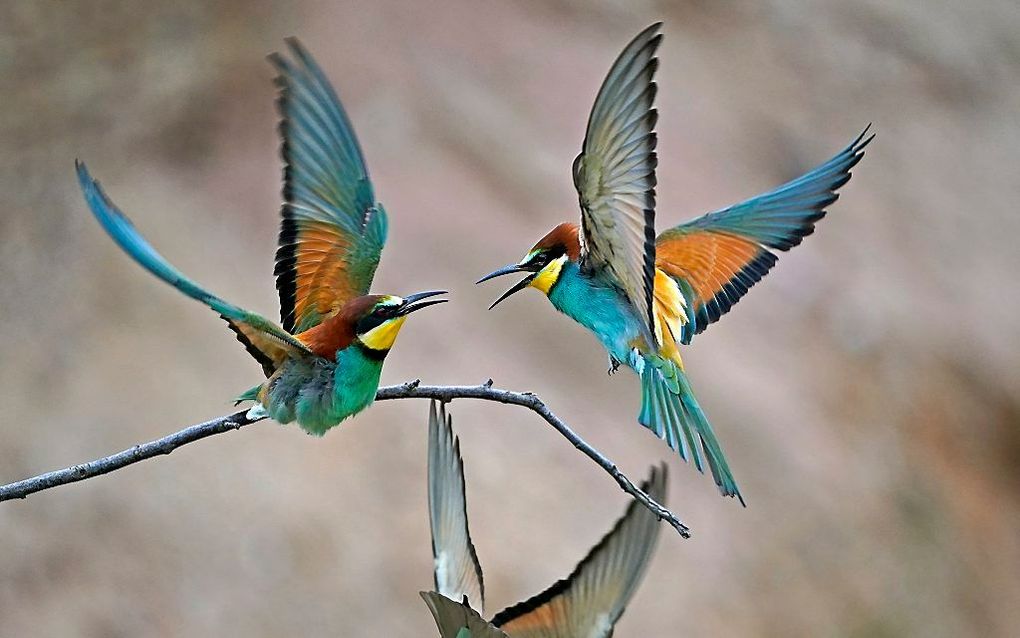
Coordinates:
column 563, row 236
column 336, row 332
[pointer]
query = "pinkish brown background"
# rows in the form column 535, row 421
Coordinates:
column 866, row 392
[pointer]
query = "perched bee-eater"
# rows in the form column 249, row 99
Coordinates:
column 323, row 364
column 587, row 603
column 643, row 295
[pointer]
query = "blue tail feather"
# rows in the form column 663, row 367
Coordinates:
column 670, row 410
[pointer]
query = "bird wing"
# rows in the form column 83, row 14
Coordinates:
column 615, row 175
column 269, row 344
column 458, row 620
column 458, row 575
column 716, row 258
column 333, row 230
column 591, row 600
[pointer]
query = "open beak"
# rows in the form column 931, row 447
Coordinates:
column 413, row 303
column 509, row 270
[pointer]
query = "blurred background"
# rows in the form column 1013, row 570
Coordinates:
column 867, row 392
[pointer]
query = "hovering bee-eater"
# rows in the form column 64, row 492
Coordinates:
column 643, row 295
column 587, row 603
column 323, row 364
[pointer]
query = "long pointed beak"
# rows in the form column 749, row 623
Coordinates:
column 414, row 303
column 520, row 285
column 505, row 270
column 509, row 270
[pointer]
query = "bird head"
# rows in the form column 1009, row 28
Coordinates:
column 543, row 263
column 376, row 319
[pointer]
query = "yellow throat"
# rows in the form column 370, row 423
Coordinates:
column 382, row 336
column 548, row 276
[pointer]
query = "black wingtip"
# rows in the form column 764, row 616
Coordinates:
column 652, row 28
column 858, row 144
column 83, row 172
column 295, row 47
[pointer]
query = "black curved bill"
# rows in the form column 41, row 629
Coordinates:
column 509, row 270
column 414, row 302
column 520, row 285
column 505, row 270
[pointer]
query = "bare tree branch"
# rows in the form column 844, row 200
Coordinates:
column 411, row 390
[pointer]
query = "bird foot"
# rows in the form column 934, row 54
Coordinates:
column 614, row 366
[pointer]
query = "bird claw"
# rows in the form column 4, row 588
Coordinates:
column 614, row 366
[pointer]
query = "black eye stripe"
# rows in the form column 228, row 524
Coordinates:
column 542, row 259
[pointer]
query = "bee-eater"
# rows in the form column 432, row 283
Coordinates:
column 587, row 603
column 323, row 364
column 643, row 295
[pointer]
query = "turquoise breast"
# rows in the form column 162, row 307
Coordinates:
column 599, row 307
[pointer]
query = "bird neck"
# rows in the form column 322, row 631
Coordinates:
column 548, row 277
column 379, row 340
column 326, row 339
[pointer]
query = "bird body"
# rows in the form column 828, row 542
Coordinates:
column 323, row 364
column 598, row 306
column 644, row 295
column 319, row 392
column 593, row 300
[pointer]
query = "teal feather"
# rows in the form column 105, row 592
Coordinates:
column 251, row 394
column 668, row 406
column 781, row 218
column 778, row 220
column 670, row 411
column 120, row 228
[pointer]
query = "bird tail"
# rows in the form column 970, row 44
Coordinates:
column 669, row 409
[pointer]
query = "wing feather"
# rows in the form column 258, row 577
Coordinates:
column 269, row 344
column 715, row 259
column 458, row 620
column 615, row 175
column 333, row 230
column 458, row 574
column 590, row 601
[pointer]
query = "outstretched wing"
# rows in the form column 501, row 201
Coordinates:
column 590, row 601
column 716, row 258
column 458, row 575
column 458, row 620
column 615, row 175
column 267, row 342
column 333, row 230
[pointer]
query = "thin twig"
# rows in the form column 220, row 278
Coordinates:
column 141, row 452
column 414, row 390
column 411, row 390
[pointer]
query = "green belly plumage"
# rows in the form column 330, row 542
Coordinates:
column 319, row 393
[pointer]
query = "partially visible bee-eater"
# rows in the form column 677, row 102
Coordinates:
column 323, row 364
column 643, row 295
column 587, row 603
